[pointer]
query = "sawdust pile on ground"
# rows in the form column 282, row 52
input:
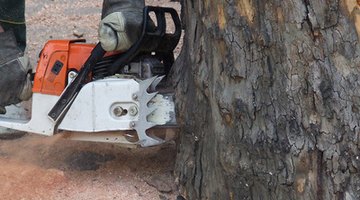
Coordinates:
column 35, row 167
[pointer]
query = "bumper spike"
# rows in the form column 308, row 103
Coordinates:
column 143, row 124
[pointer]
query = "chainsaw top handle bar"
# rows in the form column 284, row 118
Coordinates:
column 152, row 39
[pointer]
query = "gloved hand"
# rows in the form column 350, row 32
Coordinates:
column 121, row 24
column 15, row 84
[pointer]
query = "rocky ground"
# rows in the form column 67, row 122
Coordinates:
column 35, row 167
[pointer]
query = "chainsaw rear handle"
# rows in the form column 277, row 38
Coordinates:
column 152, row 39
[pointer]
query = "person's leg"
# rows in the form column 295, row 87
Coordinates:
column 12, row 17
column 15, row 85
column 2, row 109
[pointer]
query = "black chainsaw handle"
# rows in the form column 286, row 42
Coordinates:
column 151, row 39
column 74, row 87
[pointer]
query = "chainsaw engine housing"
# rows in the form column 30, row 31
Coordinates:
column 60, row 57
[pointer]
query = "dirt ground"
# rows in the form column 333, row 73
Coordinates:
column 35, row 167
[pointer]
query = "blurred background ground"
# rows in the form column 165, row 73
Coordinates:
column 35, row 167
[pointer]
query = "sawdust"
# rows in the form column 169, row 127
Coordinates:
column 36, row 167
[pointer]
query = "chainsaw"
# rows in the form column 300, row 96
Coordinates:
column 88, row 94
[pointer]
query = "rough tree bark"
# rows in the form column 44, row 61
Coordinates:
column 268, row 93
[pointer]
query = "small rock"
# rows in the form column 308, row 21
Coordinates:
column 78, row 34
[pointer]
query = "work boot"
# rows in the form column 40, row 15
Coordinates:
column 121, row 24
column 15, row 69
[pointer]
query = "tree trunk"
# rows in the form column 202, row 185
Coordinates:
column 268, row 94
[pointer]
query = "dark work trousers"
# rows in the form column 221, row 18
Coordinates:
column 12, row 17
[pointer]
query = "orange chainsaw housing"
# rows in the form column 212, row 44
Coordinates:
column 57, row 58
